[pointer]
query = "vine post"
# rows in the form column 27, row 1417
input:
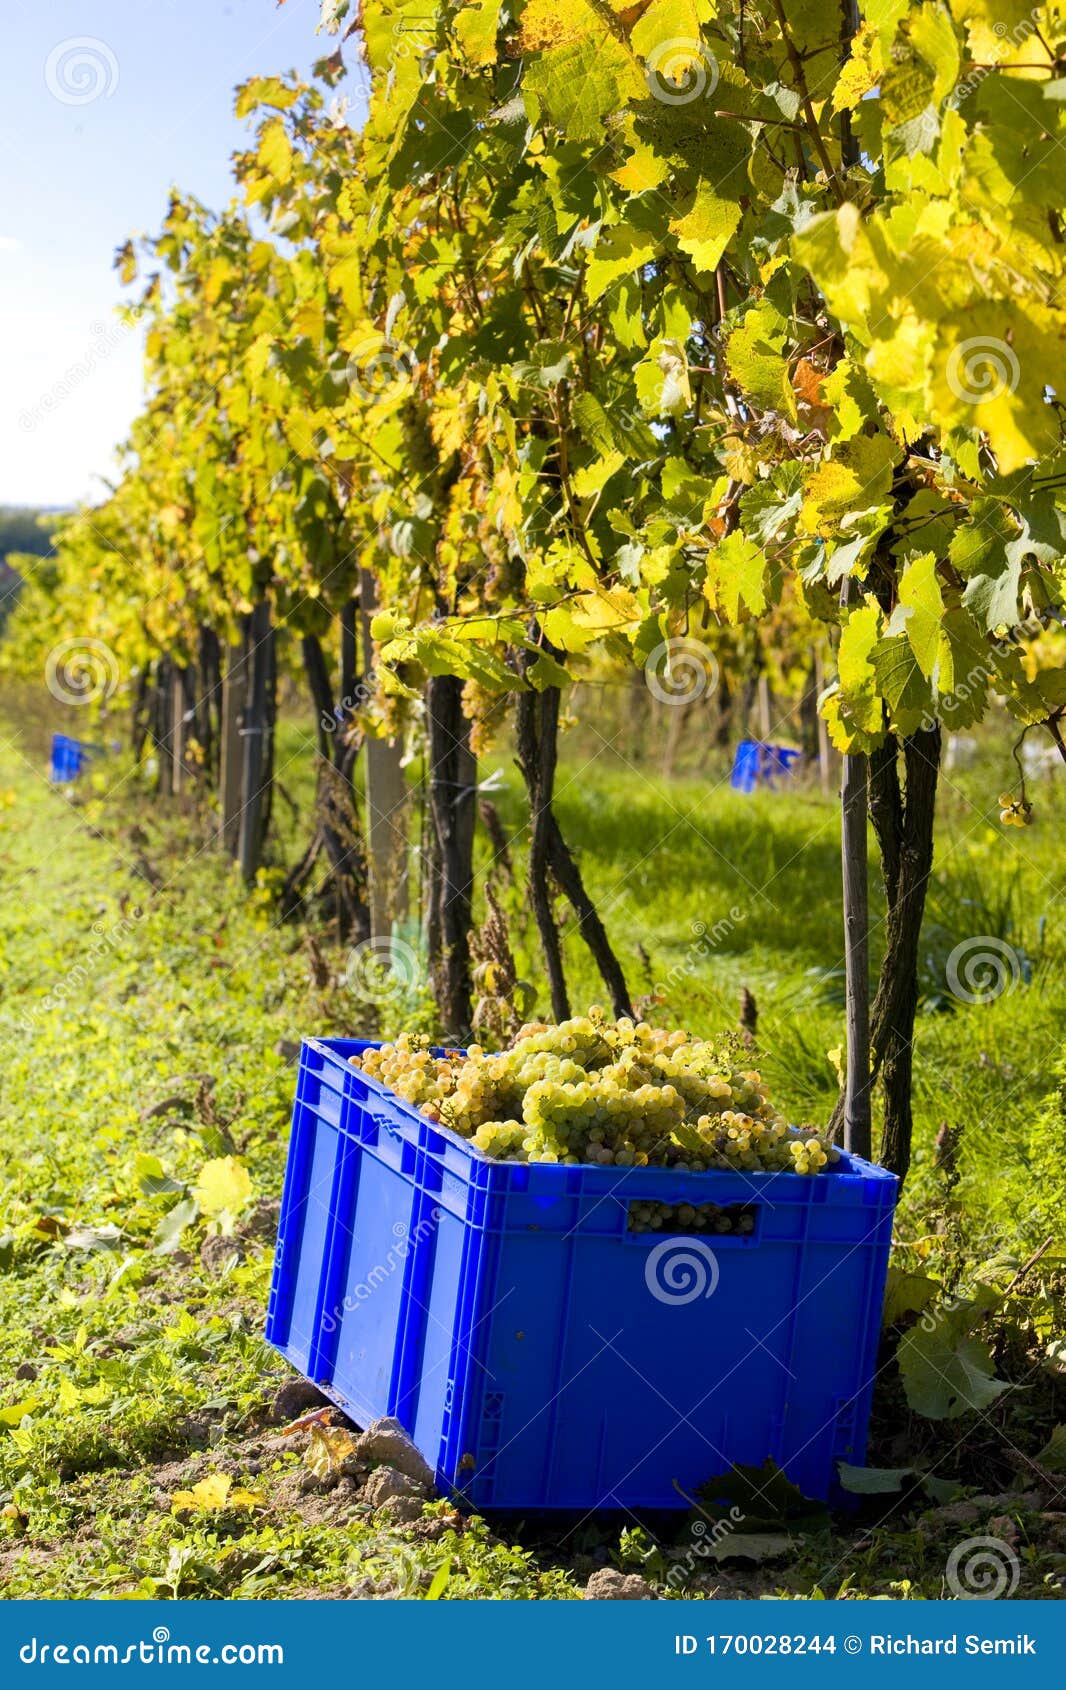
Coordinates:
column 254, row 729
column 386, row 802
column 234, row 685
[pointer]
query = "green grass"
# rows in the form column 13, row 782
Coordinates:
column 142, row 1039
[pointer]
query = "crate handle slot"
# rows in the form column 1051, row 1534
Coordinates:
column 723, row 1223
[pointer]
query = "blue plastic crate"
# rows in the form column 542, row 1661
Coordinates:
column 757, row 763
column 542, row 1355
column 69, row 757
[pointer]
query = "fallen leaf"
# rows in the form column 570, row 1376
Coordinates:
column 328, row 1448
column 94, row 1237
column 1053, row 1455
column 53, row 1226
column 215, row 1492
column 753, row 1546
column 224, row 1185
column 16, row 1412
column 317, row 1417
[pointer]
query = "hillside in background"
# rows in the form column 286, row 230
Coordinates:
column 23, row 531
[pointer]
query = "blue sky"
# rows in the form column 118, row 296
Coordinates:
column 103, row 105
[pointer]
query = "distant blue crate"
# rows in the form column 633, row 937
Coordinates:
column 543, row 1356
column 759, row 764
column 69, row 757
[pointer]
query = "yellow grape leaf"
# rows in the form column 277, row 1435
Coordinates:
column 224, row 1185
column 991, row 367
column 592, row 479
column 706, row 230
column 670, row 27
column 329, row 1446
column 846, row 392
column 857, row 477
column 643, row 169
column 861, row 72
column 620, row 251
column 258, row 355
column 858, row 683
column 590, row 616
column 275, row 151
column 15, row 1412
column 215, row 1492
column 735, row 571
column 475, row 28
column 932, row 34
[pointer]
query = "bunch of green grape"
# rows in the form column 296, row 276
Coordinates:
column 737, row 1218
column 618, row 1094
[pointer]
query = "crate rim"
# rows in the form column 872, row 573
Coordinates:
column 856, row 1167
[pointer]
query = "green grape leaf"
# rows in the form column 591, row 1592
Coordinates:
column 1053, row 1455
column 946, row 1370
column 906, row 1293
column 578, row 84
column 873, row 1481
column 920, row 599
column 992, row 599
column 901, row 682
column 753, row 357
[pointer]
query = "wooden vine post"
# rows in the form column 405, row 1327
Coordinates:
column 854, row 812
column 234, row 686
column 254, row 730
column 386, row 803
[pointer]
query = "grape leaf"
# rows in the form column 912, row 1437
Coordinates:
column 1053, row 1455
column 946, row 1370
column 906, row 1293
column 706, row 229
column 224, row 1186
column 919, row 595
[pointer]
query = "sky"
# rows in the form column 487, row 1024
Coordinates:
column 104, row 105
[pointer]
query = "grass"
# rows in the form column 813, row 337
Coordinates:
column 148, row 1007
